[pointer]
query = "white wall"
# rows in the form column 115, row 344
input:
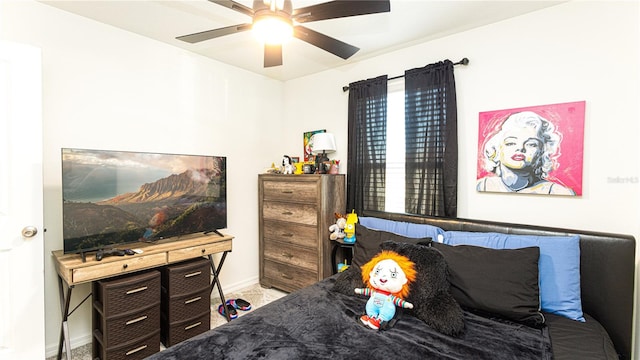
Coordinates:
column 109, row 89
column 550, row 56
column 571, row 52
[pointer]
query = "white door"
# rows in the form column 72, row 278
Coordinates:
column 21, row 219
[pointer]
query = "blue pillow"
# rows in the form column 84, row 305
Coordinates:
column 406, row 229
column 559, row 265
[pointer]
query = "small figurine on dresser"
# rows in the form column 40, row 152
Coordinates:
column 350, row 228
column 287, row 165
column 337, row 229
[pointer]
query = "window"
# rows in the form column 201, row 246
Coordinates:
column 403, row 148
column 395, row 167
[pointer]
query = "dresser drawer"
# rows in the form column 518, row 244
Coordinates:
column 290, row 213
column 186, row 277
column 186, row 306
column 132, row 350
column 198, row 250
column 133, row 325
column 173, row 333
column 296, row 256
column 288, row 277
column 118, row 265
column 125, row 294
column 295, row 234
column 290, row 191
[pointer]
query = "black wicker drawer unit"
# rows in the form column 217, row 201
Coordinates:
column 186, row 304
column 126, row 316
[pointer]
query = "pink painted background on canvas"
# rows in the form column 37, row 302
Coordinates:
column 569, row 121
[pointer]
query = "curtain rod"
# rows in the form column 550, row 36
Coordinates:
column 464, row 61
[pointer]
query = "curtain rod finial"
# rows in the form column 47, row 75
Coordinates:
column 345, row 88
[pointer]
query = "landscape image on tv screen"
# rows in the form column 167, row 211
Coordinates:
column 112, row 198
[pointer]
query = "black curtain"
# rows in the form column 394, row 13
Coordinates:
column 431, row 172
column 367, row 145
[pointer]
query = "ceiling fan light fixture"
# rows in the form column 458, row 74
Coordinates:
column 272, row 29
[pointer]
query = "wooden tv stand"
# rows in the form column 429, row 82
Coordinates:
column 72, row 270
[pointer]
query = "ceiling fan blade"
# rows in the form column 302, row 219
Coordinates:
column 272, row 55
column 325, row 42
column 234, row 6
column 211, row 34
column 340, row 8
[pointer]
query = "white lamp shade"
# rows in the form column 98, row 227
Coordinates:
column 323, row 143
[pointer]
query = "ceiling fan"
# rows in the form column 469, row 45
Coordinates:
column 282, row 12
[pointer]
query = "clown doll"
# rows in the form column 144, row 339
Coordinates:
column 388, row 276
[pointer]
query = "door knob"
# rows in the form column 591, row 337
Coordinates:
column 29, row 231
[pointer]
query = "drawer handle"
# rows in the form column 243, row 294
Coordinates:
column 287, row 234
column 193, row 274
column 287, row 255
column 203, row 250
column 125, row 266
column 144, row 317
column 136, row 290
column 193, row 300
column 130, row 352
column 287, row 276
column 193, row 325
column 287, row 213
column 287, row 191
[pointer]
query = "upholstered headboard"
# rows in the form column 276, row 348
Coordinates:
column 607, row 268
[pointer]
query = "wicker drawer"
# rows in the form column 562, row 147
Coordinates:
column 186, row 306
column 290, row 213
column 295, row 234
column 129, row 326
column 287, row 277
column 173, row 333
column 290, row 191
column 125, row 294
column 133, row 350
column 306, row 258
column 186, row 277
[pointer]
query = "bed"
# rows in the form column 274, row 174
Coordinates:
column 321, row 321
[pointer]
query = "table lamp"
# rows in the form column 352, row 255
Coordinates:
column 321, row 144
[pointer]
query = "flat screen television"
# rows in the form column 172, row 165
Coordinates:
column 113, row 198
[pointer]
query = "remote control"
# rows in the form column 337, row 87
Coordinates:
column 102, row 253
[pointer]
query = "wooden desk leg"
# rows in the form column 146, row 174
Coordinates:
column 216, row 281
column 64, row 327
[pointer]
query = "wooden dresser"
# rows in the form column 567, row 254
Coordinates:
column 295, row 212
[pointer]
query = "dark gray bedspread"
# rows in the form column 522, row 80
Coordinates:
column 317, row 323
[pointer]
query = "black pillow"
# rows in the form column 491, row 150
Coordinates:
column 368, row 243
column 503, row 282
column 430, row 293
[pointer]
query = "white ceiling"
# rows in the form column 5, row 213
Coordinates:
column 408, row 23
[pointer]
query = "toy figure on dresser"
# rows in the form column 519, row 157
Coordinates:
column 350, row 228
column 337, row 229
column 287, row 165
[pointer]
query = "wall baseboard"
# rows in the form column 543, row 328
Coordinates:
column 52, row 349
